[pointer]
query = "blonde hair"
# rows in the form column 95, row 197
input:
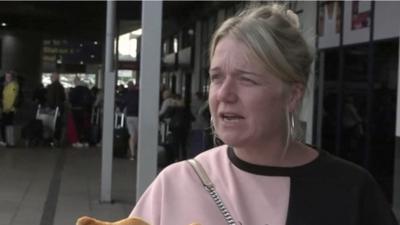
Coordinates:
column 272, row 34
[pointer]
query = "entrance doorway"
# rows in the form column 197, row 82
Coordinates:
column 357, row 110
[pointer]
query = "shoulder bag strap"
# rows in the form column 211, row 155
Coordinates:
column 209, row 186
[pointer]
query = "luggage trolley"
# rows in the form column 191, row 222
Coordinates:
column 49, row 119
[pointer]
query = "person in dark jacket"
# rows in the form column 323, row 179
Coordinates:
column 39, row 95
column 181, row 118
column 55, row 93
column 55, row 97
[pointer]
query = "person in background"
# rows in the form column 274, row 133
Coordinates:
column 9, row 97
column 167, row 103
column 131, row 100
column 55, row 97
column 120, row 91
column 179, row 125
column 208, row 136
column 39, row 95
column 80, row 100
column 198, row 125
column 263, row 173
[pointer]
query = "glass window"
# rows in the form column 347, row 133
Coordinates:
column 127, row 47
column 187, row 37
column 67, row 79
column 175, row 44
column 124, row 76
column 356, row 63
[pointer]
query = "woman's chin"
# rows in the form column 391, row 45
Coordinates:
column 231, row 140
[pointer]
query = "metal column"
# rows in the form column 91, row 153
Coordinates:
column 108, row 108
column 149, row 94
column 396, row 172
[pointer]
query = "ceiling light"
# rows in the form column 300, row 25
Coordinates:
column 3, row 24
column 81, row 62
column 95, row 43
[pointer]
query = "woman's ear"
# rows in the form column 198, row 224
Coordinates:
column 296, row 92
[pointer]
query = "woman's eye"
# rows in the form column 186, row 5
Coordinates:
column 247, row 80
column 215, row 77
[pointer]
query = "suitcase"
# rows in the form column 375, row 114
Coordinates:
column 71, row 134
column 121, row 136
column 94, row 137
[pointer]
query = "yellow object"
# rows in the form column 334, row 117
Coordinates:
column 85, row 220
column 10, row 93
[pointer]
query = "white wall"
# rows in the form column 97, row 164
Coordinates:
column 387, row 19
column 308, row 22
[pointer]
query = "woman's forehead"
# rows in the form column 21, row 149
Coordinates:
column 230, row 50
column 232, row 54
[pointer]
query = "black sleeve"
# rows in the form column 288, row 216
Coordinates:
column 375, row 208
column 63, row 97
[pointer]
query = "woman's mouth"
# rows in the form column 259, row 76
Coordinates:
column 230, row 117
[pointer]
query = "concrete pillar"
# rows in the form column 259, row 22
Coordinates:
column 149, row 85
column 396, row 172
column 108, row 108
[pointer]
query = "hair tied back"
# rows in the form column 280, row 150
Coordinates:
column 293, row 18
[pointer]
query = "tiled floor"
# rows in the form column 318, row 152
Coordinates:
column 44, row 186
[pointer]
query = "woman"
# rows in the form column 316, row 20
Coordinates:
column 263, row 175
column 10, row 94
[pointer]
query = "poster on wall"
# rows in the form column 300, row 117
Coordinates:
column 329, row 23
column 357, row 22
column 360, row 15
column 329, row 18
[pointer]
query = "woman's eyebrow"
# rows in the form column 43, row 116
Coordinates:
column 247, row 72
column 214, row 69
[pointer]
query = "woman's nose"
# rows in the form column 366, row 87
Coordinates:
column 227, row 91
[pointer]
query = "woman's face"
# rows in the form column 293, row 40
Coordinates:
column 8, row 77
column 247, row 103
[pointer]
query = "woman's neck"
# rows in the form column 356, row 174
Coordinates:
column 296, row 154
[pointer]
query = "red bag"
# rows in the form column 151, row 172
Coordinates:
column 72, row 135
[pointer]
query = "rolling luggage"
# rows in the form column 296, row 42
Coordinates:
column 72, row 135
column 95, row 129
column 121, row 136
